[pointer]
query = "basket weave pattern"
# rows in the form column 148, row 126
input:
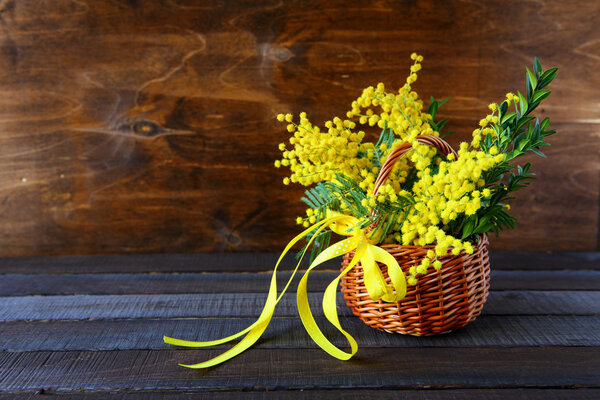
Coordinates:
column 441, row 301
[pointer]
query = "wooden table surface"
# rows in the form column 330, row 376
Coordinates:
column 90, row 327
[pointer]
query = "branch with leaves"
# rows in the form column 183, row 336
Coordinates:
column 516, row 134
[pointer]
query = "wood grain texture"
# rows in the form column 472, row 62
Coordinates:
column 308, row 369
column 346, row 394
column 288, row 333
column 149, row 126
column 101, row 284
column 248, row 305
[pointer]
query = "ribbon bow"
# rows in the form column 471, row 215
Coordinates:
column 366, row 252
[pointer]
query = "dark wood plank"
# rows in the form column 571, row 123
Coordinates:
column 152, row 129
column 522, row 260
column 143, row 263
column 99, row 284
column 545, row 280
column 486, row 331
column 250, row 304
column 257, row 262
column 346, row 394
column 311, row 368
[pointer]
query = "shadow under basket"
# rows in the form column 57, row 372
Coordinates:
column 440, row 302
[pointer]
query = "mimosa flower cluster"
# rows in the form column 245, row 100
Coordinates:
column 429, row 198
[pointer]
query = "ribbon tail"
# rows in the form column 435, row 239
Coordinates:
column 254, row 331
column 191, row 343
column 394, row 272
column 329, row 303
column 266, row 313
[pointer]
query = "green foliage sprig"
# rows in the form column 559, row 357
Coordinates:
column 515, row 135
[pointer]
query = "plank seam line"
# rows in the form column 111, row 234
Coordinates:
column 250, row 272
column 297, row 347
column 251, row 317
column 217, row 389
column 26, row 296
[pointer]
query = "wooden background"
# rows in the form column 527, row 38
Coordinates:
column 148, row 126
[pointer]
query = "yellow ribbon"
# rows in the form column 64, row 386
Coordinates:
column 365, row 252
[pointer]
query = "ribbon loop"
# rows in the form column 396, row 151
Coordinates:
column 365, row 252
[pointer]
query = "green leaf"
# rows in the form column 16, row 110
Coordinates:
column 441, row 103
column 546, row 78
column 313, row 195
column 308, row 202
column 483, row 228
column 539, row 153
column 432, row 109
column 523, row 121
column 537, row 67
column 441, row 123
column 508, row 118
column 548, row 73
column 488, row 141
column 469, row 226
column 540, row 95
column 522, row 103
column 544, row 124
column 531, row 78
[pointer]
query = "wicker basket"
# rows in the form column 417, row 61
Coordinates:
column 441, row 301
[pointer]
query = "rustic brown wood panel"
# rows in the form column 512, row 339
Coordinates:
column 149, row 126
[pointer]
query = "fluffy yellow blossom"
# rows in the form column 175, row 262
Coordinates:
column 428, row 192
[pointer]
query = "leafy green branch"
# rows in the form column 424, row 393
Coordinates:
column 515, row 135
